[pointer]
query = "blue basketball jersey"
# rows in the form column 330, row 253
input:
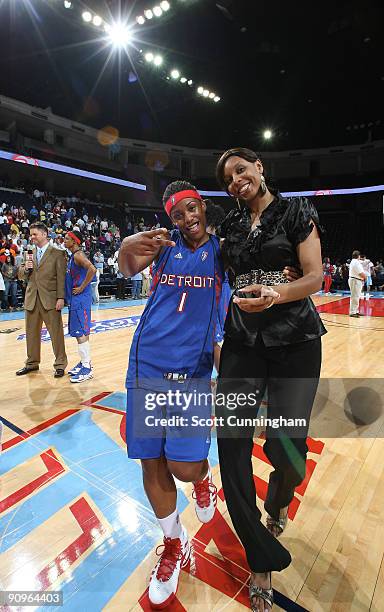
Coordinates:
column 226, row 294
column 174, row 339
column 75, row 275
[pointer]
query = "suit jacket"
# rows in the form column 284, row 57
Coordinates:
column 47, row 280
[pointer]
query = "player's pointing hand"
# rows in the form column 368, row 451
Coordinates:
column 148, row 243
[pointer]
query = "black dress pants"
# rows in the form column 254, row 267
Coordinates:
column 290, row 374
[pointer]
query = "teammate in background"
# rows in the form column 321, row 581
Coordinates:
column 172, row 349
column 215, row 215
column 367, row 267
column 78, row 295
column 328, row 270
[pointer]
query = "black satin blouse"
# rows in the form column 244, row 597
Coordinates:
column 270, row 247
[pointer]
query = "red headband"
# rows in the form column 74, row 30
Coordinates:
column 177, row 197
column 74, row 237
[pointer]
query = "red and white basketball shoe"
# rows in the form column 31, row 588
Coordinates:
column 164, row 580
column 205, row 496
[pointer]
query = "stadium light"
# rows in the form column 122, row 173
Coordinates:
column 200, row 90
column 158, row 60
column 157, row 11
column 190, row 82
column 148, row 14
column 149, row 57
column 205, row 93
column 183, row 80
column 267, row 134
column 87, row 17
column 67, row 4
column 140, row 20
column 97, row 21
column 175, row 74
column 216, row 99
column 165, row 6
column 212, row 95
column 119, row 35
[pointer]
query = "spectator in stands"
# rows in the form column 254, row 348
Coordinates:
column 98, row 260
column 112, row 264
column 9, row 272
column 136, row 286
column 356, row 281
column 103, row 225
column 4, row 228
column 33, row 213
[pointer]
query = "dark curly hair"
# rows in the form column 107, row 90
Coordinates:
column 214, row 213
column 175, row 187
column 246, row 154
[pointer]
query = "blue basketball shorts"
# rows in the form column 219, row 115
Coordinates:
column 79, row 320
column 176, row 425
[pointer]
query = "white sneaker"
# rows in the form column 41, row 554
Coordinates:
column 164, row 579
column 205, row 496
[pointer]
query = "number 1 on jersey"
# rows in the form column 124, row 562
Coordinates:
column 181, row 305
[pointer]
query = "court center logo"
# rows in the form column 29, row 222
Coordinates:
column 96, row 327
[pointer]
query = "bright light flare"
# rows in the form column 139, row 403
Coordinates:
column 97, row 21
column 267, row 135
column 119, row 35
column 157, row 11
column 158, row 60
column 175, row 74
column 148, row 13
column 87, row 17
column 165, row 6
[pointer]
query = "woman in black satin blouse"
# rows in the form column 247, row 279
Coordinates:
column 272, row 342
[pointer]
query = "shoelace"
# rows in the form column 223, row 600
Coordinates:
column 202, row 492
column 170, row 554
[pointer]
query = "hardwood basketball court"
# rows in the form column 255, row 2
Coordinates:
column 74, row 518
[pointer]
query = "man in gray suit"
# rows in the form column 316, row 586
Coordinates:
column 44, row 299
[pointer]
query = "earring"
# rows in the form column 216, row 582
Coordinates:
column 263, row 185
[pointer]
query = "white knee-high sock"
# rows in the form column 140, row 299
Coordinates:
column 171, row 525
column 85, row 354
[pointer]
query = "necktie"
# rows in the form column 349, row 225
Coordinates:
column 39, row 255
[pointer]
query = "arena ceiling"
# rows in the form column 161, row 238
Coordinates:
column 312, row 72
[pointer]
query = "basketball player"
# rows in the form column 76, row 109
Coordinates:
column 78, row 295
column 367, row 267
column 172, row 349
